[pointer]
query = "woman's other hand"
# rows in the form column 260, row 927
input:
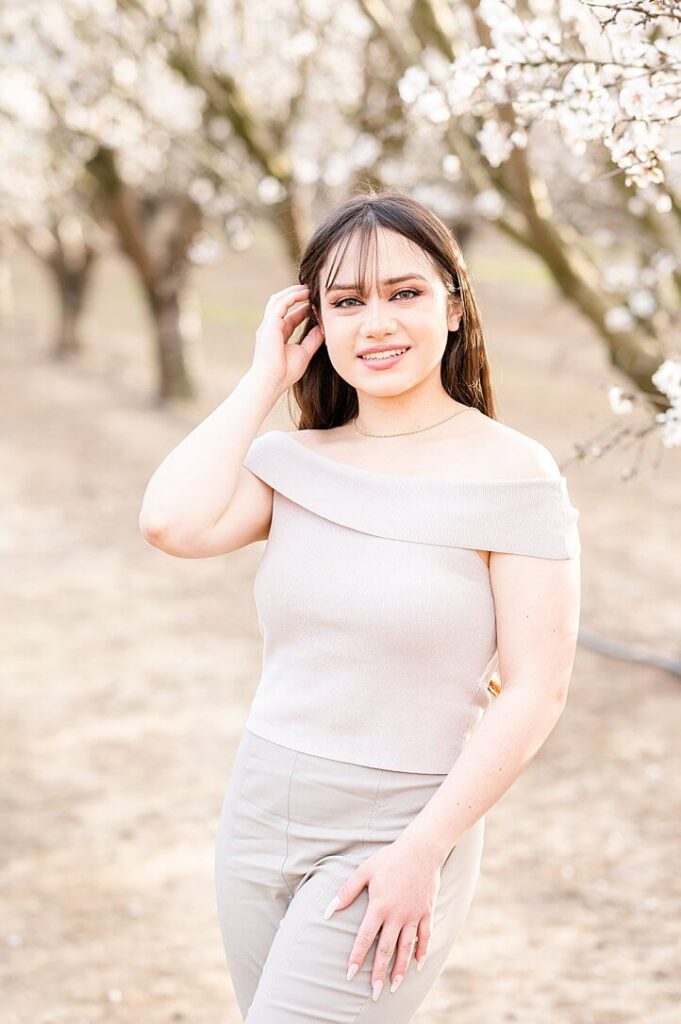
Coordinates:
column 403, row 887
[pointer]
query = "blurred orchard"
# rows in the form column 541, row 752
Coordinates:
column 176, row 155
column 169, row 128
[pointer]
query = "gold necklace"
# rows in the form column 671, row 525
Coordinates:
column 418, row 429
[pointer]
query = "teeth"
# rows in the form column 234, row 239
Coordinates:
column 384, row 355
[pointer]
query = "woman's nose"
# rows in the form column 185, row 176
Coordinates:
column 377, row 319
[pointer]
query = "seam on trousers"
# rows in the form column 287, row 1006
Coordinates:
column 263, row 989
column 362, row 1007
column 288, row 822
column 341, row 870
column 365, row 835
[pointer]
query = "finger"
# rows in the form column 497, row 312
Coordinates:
column 368, row 930
column 278, row 303
column 280, row 309
column 347, row 892
column 286, row 291
column 386, row 947
column 423, row 943
column 292, row 320
column 312, row 341
column 405, row 948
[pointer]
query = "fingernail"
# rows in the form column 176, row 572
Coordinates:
column 396, row 983
column 378, row 986
column 419, row 963
column 352, row 971
column 331, row 907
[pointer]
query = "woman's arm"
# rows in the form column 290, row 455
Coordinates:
column 537, row 603
column 203, row 477
column 201, row 501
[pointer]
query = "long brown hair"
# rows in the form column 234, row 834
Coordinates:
column 323, row 397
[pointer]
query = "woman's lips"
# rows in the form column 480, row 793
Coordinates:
column 384, row 363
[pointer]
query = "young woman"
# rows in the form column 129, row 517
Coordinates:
column 415, row 545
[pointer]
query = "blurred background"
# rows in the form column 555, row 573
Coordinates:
column 163, row 164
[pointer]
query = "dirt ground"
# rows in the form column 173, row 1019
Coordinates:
column 127, row 676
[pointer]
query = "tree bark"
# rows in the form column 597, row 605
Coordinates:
column 71, row 281
column 174, row 378
column 156, row 233
column 68, row 257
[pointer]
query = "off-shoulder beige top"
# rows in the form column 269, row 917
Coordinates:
column 375, row 610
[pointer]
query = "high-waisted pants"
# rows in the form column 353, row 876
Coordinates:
column 293, row 827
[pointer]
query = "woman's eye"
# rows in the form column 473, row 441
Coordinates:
column 402, row 291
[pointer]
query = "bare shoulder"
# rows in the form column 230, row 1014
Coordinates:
column 484, row 449
column 509, row 453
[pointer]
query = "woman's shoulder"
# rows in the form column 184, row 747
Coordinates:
column 488, row 450
column 508, row 453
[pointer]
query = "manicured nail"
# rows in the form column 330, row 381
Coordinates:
column 378, row 986
column 331, row 907
column 352, row 971
column 396, row 983
column 420, row 963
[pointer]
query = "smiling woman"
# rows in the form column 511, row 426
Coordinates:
column 414, row 545
column 381, row 596
column 418, row 302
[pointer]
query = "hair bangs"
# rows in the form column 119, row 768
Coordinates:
column 366, row 228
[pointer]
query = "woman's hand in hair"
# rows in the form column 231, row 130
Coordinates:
column 274, row 358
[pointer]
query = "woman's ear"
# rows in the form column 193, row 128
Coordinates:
column 454, row 315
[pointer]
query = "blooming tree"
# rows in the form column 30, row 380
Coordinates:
column 561, row 121
column 40, row 202
column 553, row 119
column 124, row 159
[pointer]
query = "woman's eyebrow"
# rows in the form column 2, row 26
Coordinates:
column 388, row 280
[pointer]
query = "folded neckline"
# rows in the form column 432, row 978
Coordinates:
column 526, row 516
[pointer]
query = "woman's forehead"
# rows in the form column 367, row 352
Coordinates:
column 387, row 254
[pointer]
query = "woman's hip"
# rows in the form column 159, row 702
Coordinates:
column 298, row 809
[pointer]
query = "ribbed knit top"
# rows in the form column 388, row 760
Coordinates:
column 376, row 612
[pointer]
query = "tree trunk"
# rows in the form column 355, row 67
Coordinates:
column 71, row 283
column 156, row 233
column 174, row 378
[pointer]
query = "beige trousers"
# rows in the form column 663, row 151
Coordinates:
column 292, row 829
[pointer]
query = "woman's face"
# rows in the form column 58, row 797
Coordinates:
column 411, row 313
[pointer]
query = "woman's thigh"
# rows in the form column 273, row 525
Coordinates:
column 293, row 828
column 303, row 977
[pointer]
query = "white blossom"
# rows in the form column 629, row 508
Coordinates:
column 489, row 204
column 451, row 166
column 620, row 401
column 433, row 105
column 413, row 82
column 667, row 378
column 670, row 420
column 621, row 276
column 618, row 319
column 271, row 191
column 495, row 143
column 642, row 303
